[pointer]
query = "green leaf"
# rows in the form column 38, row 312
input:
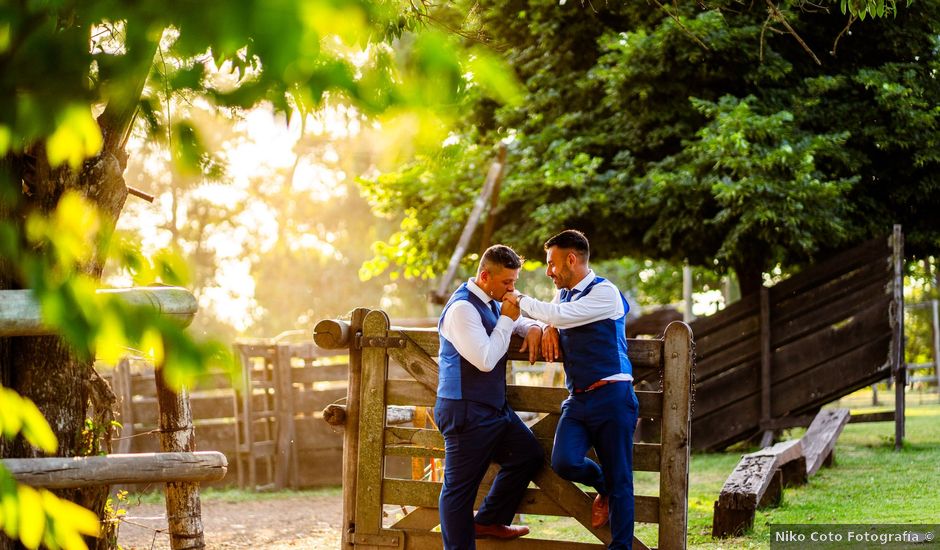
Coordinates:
column 75, row 138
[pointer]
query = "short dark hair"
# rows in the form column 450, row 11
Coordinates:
column 502, row 256
column 571, row 239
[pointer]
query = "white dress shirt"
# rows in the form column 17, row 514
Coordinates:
column 463, row 327
column 603, row 302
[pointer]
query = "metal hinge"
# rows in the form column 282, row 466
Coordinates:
column 380, row 341
column 387, row 538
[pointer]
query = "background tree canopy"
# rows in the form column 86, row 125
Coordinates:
column 705, row 135
column 77, row 78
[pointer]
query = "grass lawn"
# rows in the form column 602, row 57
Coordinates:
column 870, row 482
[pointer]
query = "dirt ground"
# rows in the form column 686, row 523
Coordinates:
column 295, row 523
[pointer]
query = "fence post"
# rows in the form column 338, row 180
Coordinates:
column 674, row 462
column 284, row 396
column 935, row 325
column 371, row 467
column 183, row 508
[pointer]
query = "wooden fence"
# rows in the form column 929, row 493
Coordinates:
column 774, row 358
column 370, row 439
column 269, row 441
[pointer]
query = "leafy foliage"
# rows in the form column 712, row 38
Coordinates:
column 707, row 135
column 29, row 515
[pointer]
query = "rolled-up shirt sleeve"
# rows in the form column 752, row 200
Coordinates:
column 463, row 327
column 603, row 302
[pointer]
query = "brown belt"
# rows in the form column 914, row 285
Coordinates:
column 598, row 384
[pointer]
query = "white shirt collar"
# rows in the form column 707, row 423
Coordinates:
column 480, row 293
column 588, row 279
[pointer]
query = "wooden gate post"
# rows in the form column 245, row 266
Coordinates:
column 371, row 467
column 330, row 334
column 183, row 508
column 678, row 357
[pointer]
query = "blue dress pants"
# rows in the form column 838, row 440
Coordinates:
column 474, row 436
column 605, row 419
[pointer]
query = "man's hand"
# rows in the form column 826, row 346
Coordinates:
column 532, row 342
column 550, row 348
column 510, row 309
column 511, row 297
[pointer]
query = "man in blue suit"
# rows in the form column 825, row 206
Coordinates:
column 587, row 320
column 471, row 411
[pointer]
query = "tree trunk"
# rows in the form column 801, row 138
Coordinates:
column 66, row 388
column 750, row 278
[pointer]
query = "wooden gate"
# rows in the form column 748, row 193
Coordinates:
column 369, row 440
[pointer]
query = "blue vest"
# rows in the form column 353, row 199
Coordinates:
column 458, row 378
column 590, row 350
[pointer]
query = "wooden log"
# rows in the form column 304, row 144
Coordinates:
column 83, row 471
column 332, row 334
column 756, row 481
column 183, row 507
column 20, row 314
column 820, row 438
column 335, row 415
column 737, row 502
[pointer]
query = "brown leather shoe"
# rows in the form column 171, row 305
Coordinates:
column 600, row 511
column 500, row 531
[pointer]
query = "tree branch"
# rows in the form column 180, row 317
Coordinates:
column 675, row 17
column 778, row 15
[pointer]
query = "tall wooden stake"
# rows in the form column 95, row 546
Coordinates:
column 183, row 508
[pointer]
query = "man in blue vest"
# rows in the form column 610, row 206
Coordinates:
column 587, row 320
column 471, row 411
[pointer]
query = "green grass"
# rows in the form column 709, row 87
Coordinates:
column 870, row 483
column 234, row 494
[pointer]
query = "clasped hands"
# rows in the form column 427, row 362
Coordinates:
column 537, row 338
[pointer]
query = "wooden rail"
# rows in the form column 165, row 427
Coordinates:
column 83, row 471
column 20, row 314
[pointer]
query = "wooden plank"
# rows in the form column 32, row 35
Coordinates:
column 407, row 492
column 820, row 438
column 897, row 331
column 205, row 407
column 285, row 418
column 747, row 306
column 307, row 401
column 420, row 518
column 872, row 275
column 521, row 398
column 321, row 373
column 84, row 471
column 371, row 466
column 885, row 416
column 717, row 392
column 644, row 353
column 833, row 266
column 744, row 329
column 336, row 338
column 416, row 362
column 421, row 540
column 830, row 380
column 677, row 403
column 765, row 357
column 831, row 341
column 835, row 313
column 713, row 362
